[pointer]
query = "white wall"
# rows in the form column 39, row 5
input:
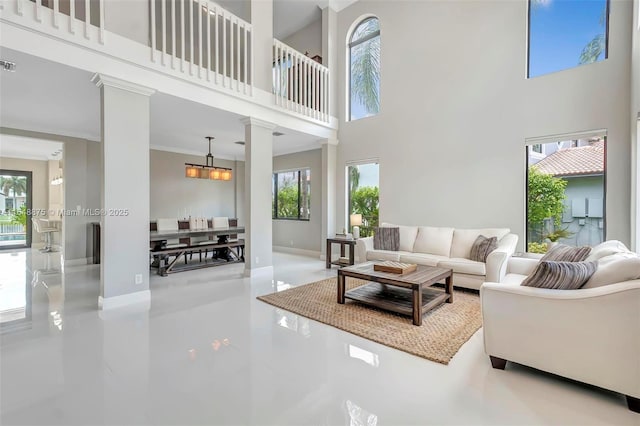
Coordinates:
column 308, row 39
column 456, row 109
column 129, row 18
column 294, row 234
column 82, row 187
column 635, row 125
column 172, row 192
column 39, row 182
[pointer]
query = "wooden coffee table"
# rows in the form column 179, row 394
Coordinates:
column 408, row 294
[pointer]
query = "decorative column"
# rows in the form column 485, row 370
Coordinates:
column 330, row 54
column 329, row 155
column 124, row 218
column 258, row 173
column 262, row 33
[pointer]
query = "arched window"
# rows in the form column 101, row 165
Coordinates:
column 364, row 69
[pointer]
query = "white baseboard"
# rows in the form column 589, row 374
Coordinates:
column 294, row 250
column 258, row 272
column 78, row 262
column 139, row 297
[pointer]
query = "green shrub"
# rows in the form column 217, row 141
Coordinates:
column 537, row 248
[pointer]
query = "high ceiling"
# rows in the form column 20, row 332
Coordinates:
column 29, row 148
column 290, row 16
column 49, row 97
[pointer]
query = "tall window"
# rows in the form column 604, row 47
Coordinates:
column 566, row 33
column 566, row 194
column 364, row 69
column 292, row 195
column 363, row 195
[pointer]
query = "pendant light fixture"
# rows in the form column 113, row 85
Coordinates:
column 208, row 170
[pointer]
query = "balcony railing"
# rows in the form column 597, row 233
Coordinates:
column 201, row 38
column 300, row 84
column 75, row 16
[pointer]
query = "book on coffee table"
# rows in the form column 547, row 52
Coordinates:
column 394, row 267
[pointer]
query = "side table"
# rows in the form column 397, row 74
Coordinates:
column 343, row 243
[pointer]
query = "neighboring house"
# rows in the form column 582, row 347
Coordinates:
column 582, row 167
column 7, row 202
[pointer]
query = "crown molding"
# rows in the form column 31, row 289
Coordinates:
column 333, row 142
column 258, row 122
column 101, row 80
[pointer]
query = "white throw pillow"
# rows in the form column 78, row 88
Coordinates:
column 605, row 249
column 463, row 239
column 615, row 268
column 433, row 240
column 407, row 235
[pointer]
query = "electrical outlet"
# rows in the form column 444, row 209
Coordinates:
column 257, row 260
column 138, row 278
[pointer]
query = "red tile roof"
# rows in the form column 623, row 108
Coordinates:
column 583, row 160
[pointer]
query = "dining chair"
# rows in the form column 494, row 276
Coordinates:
column 170, row 224
column 197, row 223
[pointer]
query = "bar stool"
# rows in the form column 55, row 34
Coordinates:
column 42, row 226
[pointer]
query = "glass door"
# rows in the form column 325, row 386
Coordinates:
column 15, row 209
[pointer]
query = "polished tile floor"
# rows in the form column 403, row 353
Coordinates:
column 207, row 352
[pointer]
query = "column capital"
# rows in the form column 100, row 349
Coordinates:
column 101, row 80
column 257, row 122
column 333, row 142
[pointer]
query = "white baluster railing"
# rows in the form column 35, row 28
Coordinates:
column 205, row 36
column 60, row 16
column 300, row 84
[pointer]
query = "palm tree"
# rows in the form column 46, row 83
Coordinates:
column 365, row 65
column 354, row 178
column 597, row 45
column 13, row 184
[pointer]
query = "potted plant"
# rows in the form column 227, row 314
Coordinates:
column 554, row 236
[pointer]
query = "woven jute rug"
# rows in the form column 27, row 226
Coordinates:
column 444, row 329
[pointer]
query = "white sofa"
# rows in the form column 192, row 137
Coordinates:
column 446, row 248
column 591, row 334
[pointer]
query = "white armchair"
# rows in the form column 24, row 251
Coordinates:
column 590, row 335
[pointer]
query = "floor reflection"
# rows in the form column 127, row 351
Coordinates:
column 293, row 322
column 359, row 416
column 31, row 284
column 363, row 355
column 15, row 294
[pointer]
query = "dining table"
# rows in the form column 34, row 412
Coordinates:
column 158, row 243
column 221, row 233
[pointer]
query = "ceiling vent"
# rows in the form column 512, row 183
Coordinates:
column 277, row 134
column 8, row 66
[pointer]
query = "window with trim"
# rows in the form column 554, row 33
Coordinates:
column 364, row 69
column 566, row 193
column 363, row 196
column 292, row 195
column 566, row 33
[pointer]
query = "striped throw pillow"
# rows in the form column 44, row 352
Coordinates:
column 386, row 239
column 561, row 275
column 481, row 248
column 565, row 253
